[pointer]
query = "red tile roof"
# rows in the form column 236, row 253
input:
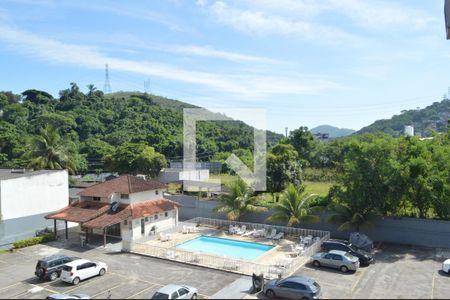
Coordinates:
column 125, row 184
column 80, row 212
column 109, row 218
column 135, row 211
column 151, row 207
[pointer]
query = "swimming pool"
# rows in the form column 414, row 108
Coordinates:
column 225, row 247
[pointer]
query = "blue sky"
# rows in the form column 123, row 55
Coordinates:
column 341, row 62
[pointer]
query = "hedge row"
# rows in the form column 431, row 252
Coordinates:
column 34, row 241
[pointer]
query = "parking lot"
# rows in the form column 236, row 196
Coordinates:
column 399, row 272
column 129, row 276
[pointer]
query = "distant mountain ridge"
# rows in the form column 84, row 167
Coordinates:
column 434, row 116
column 333, row 132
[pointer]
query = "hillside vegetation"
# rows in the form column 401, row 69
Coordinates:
column 93, row 126
column 433, row 117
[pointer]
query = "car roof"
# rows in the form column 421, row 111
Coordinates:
column 337, row 252
column 77, row 262
column 170, row 288
column 52, row 257
column 300, row 279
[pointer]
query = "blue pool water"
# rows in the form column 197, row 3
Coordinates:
column 225, row 247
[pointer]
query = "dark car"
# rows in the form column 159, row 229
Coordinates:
column 294, row 287
column 365, row 258
column 49, row 268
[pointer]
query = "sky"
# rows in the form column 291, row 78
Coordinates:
column 345, row 63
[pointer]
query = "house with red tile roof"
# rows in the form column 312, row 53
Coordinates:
column 128, row 207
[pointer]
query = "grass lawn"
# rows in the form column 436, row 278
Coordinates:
column 225, row 179
column 3, row 252
column 319, row 188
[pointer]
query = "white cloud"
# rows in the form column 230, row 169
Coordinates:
column 247, row 86
column 315, row 21
column 216, row 53
column 261, row 23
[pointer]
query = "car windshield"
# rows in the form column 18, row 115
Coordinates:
column 316, row 286
column 67, row 268
column 353, row 248
column 349, row 256
column 160, row 296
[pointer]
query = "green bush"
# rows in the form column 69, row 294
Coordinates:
column 34, row 241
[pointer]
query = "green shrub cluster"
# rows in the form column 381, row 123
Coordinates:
column 34, row 241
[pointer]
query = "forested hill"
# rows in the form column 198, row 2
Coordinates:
column 433, row 117
column 333, row 132
column 94, row 125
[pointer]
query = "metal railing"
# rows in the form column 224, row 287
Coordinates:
column 270, row 270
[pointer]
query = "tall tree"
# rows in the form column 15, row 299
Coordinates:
column 283, row 167
column 238, row 202
column 48, row 151
column 303, row 141
column 295, row 207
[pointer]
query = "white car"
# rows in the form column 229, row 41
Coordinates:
column 82, row 269
column 173, row 291
column 446, row 266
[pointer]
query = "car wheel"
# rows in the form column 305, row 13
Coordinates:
column 448, row 271
column 270, row 294
column 316, row 263
column 194, row 296
column 344, row 269
column 53, row 276
column 76, row 281
column 102, row 272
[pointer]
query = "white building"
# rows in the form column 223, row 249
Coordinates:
column 177, row 175
column 409, row 130
column 26, row 196
column 127, row 207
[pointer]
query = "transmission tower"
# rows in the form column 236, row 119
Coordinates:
column 107, row 86
column 147, row 86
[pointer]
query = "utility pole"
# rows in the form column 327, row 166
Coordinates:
column 107, row 86
column 286, row 131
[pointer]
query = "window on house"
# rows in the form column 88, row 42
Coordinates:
column 125, row 222
column 96, row 198
column 156, row 217
column 124, row 196
column 157, row 192
column 146, row 219
column 166, row 214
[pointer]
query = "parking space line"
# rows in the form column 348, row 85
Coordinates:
column 432, row 285
column 144, row 290
column 7, row 287
column 356, row 283
column 110, row 289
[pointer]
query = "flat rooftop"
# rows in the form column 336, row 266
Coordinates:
column 17, row 173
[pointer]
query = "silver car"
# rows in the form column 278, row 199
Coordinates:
column 336, row 259
column 173, row 291
column 294, row 287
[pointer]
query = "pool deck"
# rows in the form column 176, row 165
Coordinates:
column 281, row 249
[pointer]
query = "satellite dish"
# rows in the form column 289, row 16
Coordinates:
column 115, row 206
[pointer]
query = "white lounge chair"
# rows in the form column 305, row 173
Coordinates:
column 192, row 229
column 250, row 233
column 231, row 229
column 272, row 234
column 185, row 230
column 260, row 233
column 164, row 237
column 242, row 231
column 278, row 236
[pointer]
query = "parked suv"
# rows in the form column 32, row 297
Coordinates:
column 365, row 258
column 82, row 269
column 49, row 268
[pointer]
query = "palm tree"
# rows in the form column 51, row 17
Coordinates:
column 48, row 151
column 238, row 202
column 295, row 207
column 348, row 217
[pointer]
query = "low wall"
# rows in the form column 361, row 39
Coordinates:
column 409, row 231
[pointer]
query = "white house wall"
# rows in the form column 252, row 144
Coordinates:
column 33, row 195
